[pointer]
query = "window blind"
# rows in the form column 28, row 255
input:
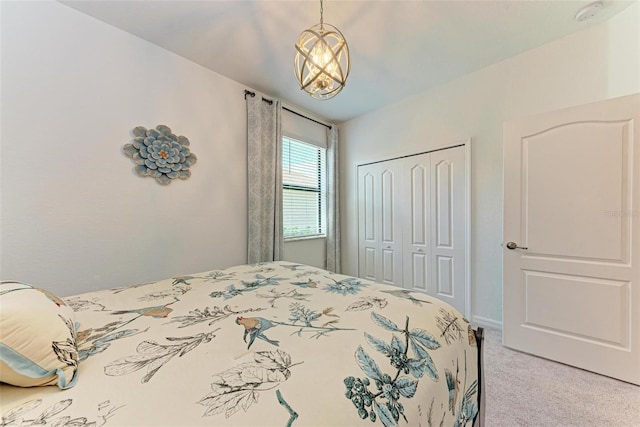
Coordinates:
column 303, row 183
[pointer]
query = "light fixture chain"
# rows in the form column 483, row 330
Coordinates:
column 321, row 16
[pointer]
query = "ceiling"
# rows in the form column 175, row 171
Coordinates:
column 398, row 48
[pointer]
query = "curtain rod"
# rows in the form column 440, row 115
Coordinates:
column 270, row 101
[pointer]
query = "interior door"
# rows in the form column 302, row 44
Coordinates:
column 380, row 222
column 571, row 251
column 416, row 174
column 448, row 226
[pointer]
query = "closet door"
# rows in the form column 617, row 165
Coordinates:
column 380, row 222
column 416, row 202
column 448, row 227
column 368, row 230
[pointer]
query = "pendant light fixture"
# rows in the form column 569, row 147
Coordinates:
column 322, row 60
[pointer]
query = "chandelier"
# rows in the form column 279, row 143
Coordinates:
column 322, row 60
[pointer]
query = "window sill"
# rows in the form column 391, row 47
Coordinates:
column 297, row 239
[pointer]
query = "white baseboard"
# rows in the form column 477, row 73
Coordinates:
column 486, row 322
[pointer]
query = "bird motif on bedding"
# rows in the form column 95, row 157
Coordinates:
column 157, row 312
column 255, row 327
column 350, row 344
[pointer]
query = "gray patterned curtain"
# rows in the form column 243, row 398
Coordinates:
column 333, row 202
column 264, row 175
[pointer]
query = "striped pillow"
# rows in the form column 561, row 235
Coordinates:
column 37, row 338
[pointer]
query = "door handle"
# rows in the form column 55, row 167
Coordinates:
column 514, row 245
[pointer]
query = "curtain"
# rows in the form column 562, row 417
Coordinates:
column 264, row 176
column 333, row 202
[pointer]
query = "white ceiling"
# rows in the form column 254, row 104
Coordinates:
column 398, row 48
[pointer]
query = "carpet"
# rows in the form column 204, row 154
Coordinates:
column 524, row 390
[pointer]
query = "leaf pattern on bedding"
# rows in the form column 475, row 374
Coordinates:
column 182, row 280
column 94, row 341
column 247, row 286
column 239, row 387
column 406, row 294
column 308, row 273
column 67, row 351
column 293, row 415
column 344, row 287
column 218, row 276
column 212, row 316
column 25, row 415
column 120, row 289
column 401, row 366
column 81, row 304
column 367, row 303
column 383, row 402
column 154, row 356
column 468, row 408
column 175, row 292
column 294, row 267
column 274, row 295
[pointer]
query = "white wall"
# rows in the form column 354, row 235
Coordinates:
column 74, row 217
column 597, row 63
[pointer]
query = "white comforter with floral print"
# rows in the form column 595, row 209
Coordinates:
column 274, row 344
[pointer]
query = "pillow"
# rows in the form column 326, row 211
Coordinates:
column 37, row 338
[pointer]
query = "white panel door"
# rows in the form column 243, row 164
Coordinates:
column 572, row 255
column 448, row 226
column 416, row 174
column 390, row 224
column 368, row 229
column 380, row 222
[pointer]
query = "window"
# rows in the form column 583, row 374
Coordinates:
column 303, row 183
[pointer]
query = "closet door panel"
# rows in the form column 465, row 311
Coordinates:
column 391, row 223
column 368, row 245
column 380, row 222
column 444, row 274
column 443, row 211
column 418, row 267
column 417, row 229
column 448, row 226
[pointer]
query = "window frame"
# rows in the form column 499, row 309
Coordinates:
column 320, row 190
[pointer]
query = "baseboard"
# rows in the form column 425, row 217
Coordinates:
column 486, row 322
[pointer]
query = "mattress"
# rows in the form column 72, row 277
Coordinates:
column 260, row 345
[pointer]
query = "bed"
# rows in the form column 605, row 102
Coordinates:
column 252, row 345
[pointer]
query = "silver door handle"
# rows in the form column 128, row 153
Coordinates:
column 514, row 245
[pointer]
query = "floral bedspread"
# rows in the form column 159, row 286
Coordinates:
column 258, row 345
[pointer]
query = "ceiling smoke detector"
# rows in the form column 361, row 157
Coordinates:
column 589, row 11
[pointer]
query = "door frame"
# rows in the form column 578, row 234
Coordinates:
column 467, row 214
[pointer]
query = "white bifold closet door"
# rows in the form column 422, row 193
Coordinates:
column 380, row 222
column 412, row 223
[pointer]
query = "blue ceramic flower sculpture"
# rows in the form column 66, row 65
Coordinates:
column 160, row 154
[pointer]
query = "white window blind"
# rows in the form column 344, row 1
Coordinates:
column 303, row 183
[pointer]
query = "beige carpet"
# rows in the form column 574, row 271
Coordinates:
column 523, row 390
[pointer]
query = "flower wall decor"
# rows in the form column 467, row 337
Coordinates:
column 160, row 154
